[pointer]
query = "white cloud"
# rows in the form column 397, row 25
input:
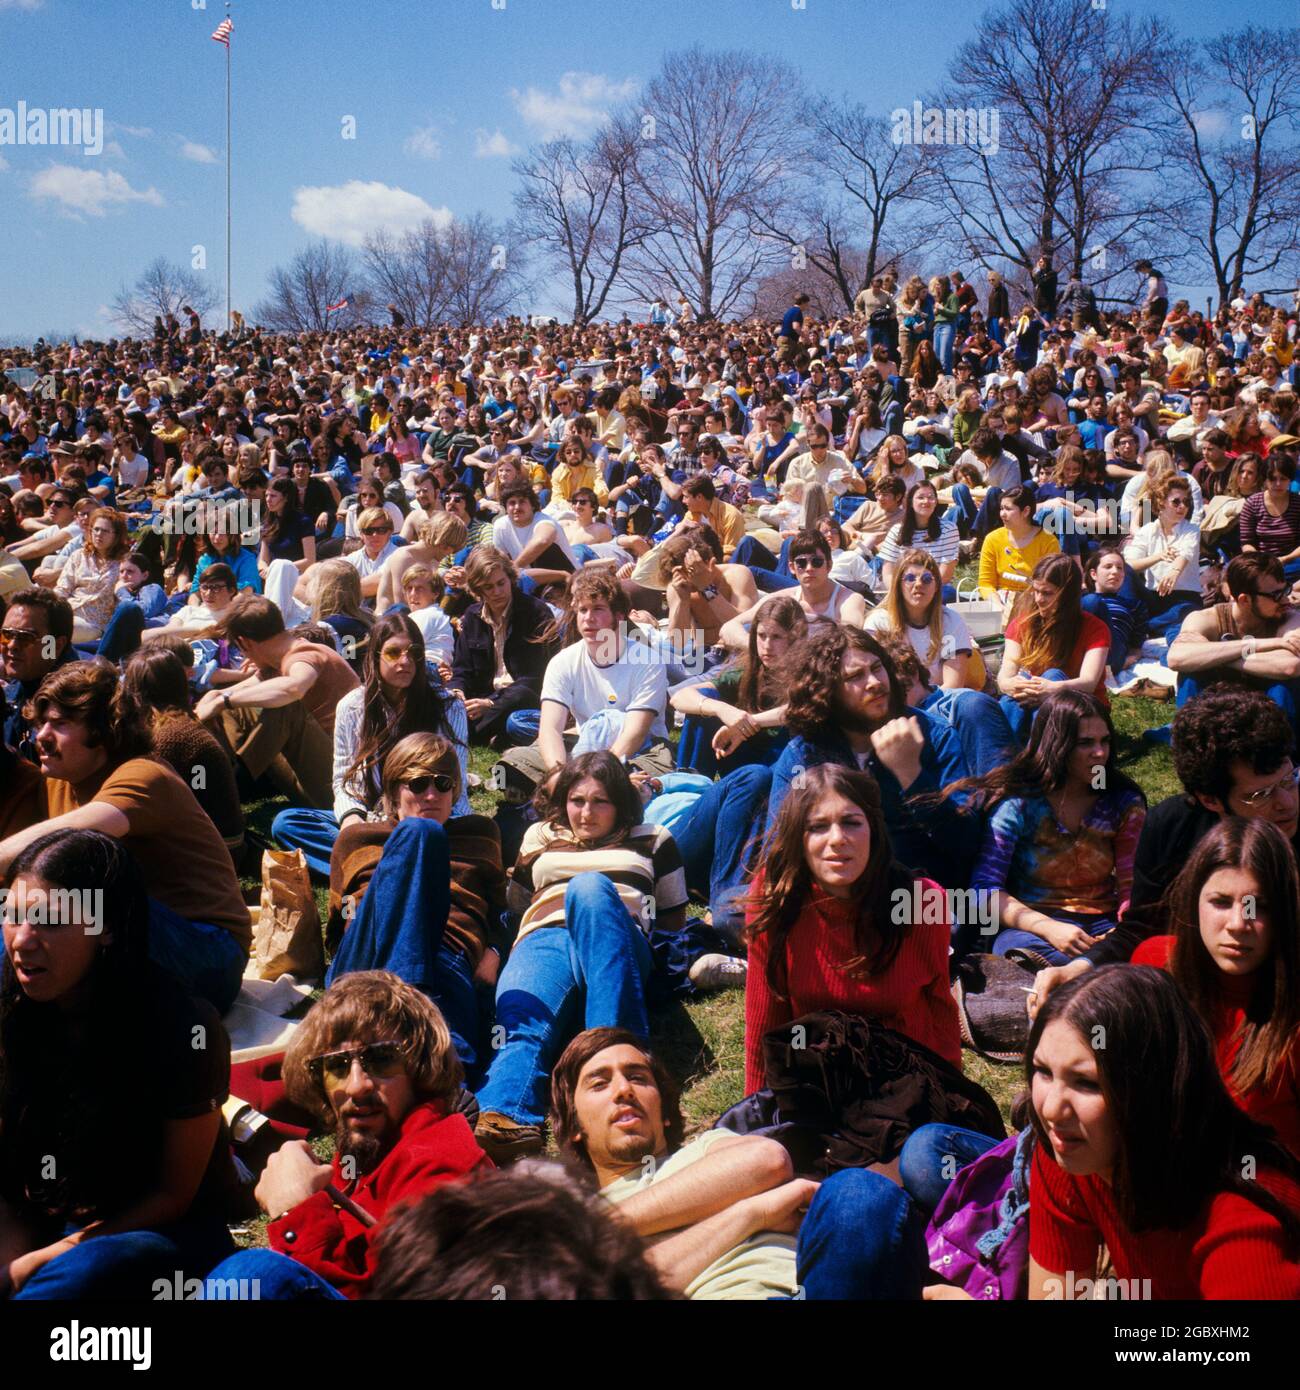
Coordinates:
column 113, row 150
column 79, row 190
column 494, row 146
column 21, row 4
column 349, row 212
column 141, row 132
column 4, row 164
column 200, row 154
column 581, row 104
column 423, row 143
column 1210, row 123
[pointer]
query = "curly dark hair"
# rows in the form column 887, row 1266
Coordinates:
column 812, row 677
column 524, row 1233
column 1225, row 725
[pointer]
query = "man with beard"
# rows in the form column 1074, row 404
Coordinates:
column 846, row 705
column 723, row 1215
column 375, row 1059
column 35, row 639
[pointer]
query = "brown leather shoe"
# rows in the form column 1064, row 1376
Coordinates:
column 504, row 1140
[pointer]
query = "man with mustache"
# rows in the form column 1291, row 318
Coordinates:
column 375, row 1059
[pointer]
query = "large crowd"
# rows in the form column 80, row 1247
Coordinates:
column 791, row 650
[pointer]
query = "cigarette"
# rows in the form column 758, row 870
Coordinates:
column 348, row 1204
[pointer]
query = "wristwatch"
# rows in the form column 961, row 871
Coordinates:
column 710, row 592
column 225, row 699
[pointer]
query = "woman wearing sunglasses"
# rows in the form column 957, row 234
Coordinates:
column 914, row 608
column 105, row 1185
column 1167, row 553
column 420, row 890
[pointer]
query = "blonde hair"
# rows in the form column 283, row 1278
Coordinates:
column 338, row 593
column 896, row 608
column 442, row 528
column 373, row 516
column 412, row 756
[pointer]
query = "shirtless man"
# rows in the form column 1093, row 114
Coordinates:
column 818, row 594
column 440, row 536
column 702, row 591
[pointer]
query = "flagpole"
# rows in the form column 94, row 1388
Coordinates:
column 228, row 46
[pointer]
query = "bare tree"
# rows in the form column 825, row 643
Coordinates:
column 716, row 145
column 575, row 203
column 301, row 293
column 860, row 202
column 1233, row 136
column 410, row 271
column 162, row 289
column 1066, row 94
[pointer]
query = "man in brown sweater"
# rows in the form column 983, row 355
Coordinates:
column 280, row 723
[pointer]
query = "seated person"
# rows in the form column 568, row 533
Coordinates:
column 1175, row 1210
column 280, row 721
column 914, row 609
column 503, row 644
column 702, row 592
column 1113, row 593
column 35, row 639
column 375, row 528
column 1051, row 644
column 845, row 705
column 534, row 541
column 1270, row 519
column 922, row 528
column 436, row 539
column 89, row 578
column 818, row 594
column 539, row 1234
column 1061, row 829
column 1232, row 752
column 591, row 881
column 1234, row 916
column 723, row 1213
column 95, row 756
column 872, row 522
column 423, row 899
column 740, row 706
column 822, row 928
column 1009, row 553
column 705, row 508
column 373, row 1059
column 1251, row 642
column 1167, row 553
column 422, row 591
column 141, row 1190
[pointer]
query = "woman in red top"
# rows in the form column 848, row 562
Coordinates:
column 1235, row 952
column 828, row 923
column 1051, row 644
column 1141, row 1149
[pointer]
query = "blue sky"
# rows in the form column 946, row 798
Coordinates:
column 442, row 92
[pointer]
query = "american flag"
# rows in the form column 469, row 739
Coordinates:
column 342, row 304
column 223, row 31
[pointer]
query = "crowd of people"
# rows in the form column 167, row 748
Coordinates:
column 702, row 596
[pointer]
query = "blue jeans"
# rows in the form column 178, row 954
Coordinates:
column 400, row 926
column 590, row 973
column 975, row 520
column 1018, row 716
column 522, row 725
column 1015, row 938
column 207, row 960
column 122, row 634
column 1284, row 694
column 933, row 1156
column 981, row 726
column 126, row 1266
column 310, row 830
column 945, row 335
column 862, row 1238
column 714, row 843
column 273, row 1276
column 1121, row 619
column 1166, row 614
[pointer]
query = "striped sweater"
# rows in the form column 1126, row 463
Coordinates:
column 645, row 867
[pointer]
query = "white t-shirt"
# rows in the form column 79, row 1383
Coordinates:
column 639, row 681
column 513, row 539
column 956, row 638
column 850, row 566
column 364, row 565
column 133, row 471
column 435, row 627
column 1147, row 541
column 350, row 531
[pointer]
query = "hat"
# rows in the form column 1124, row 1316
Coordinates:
column 300, row 449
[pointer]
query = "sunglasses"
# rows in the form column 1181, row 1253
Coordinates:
column 18, row 636
column 439, row 780
column 1180, row 501
column 924, row 578
column 376, row 530
column 380, row 1061
column 1276, row 595
column 808, row 562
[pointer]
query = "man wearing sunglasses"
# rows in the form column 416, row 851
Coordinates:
column 35, row 639
column 1252, row 641
column 61, row 527
column 820, row 596
column 373, row 1059
column 1233, row 752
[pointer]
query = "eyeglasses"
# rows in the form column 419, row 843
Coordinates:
column 19, row 636
column 380, row 1061
column 376, row 530
column 808, row 562
column 924, row 578
column 439, row 780
column 210, row 586
column 1276, row 595
column 1180, row 501
column 1266, row 794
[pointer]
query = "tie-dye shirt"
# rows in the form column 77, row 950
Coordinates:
column 1031, row 855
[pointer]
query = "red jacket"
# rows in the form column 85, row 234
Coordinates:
column 433, row 1148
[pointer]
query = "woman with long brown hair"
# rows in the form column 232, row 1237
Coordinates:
column 1051, row 644
column 824, row 926
column 1234, row 950
column 88, row 579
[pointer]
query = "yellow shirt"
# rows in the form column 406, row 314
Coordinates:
column 1004, row 565
column 565, row 481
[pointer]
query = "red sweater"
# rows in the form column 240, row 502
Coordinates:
column 1234, row 1249
column 1276, row 1103
column 433, row 1148
column 912, row 996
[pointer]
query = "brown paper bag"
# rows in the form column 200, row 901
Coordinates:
column 287, row 934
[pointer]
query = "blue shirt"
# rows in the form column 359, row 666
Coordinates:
column 792, row 322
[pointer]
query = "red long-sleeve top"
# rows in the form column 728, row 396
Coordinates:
column 1233, row 1249
column 1277, row 1102
column 911, row 996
